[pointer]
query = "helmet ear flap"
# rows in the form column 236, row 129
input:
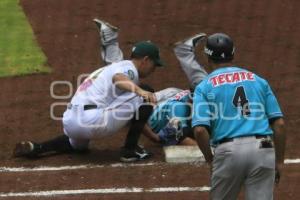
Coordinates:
column 219, row 47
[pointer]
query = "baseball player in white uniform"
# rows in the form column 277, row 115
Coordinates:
column 105, row 102
column 185, row 53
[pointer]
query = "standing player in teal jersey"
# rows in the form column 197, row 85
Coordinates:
column 238, row 111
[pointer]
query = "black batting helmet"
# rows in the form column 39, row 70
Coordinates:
column 219, row 47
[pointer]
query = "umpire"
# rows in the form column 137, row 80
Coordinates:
column 236, row 111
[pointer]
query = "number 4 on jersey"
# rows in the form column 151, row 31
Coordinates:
column 240, row 100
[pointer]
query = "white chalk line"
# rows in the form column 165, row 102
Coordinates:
column 106, row 191
column 292, row 161
column 75, row 167
column 93, row 166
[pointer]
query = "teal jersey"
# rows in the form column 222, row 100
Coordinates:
column 177, row 106
column 234, row 102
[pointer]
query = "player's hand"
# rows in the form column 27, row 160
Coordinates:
column 147, row 96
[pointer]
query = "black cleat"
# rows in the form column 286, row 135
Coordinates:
column 26, row 149
column 132, row 155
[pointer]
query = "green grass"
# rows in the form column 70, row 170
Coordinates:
column 19, row 51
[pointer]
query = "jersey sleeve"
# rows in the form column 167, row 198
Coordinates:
column 127, row 70
column 201, row 110
column 272, row 106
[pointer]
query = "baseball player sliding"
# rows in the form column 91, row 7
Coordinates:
column 170, row 123
column 238, row 111
column 105, row 102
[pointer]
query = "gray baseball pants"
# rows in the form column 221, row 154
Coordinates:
column 110, row 50
column 188, row 62
column 243, row 162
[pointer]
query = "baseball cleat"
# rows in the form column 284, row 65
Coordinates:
column 192, row 41
column 132, row 155
column 104, row 25
column 25, row 149
column 107, row 31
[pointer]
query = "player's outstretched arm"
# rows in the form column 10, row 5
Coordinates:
column 156, row 138
column 124, row 83
column 150, row 134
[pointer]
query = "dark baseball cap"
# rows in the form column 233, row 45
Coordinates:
column 147, row 48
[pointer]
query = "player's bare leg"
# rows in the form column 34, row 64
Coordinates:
column 185, row 53
column 110, row 50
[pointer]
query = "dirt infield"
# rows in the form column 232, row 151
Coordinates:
column 266, row 34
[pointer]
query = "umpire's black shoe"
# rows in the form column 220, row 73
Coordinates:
column 26, row 149
column 132, row 155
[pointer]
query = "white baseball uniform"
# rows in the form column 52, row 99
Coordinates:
column 115, row 108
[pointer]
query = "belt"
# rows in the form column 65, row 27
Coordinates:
column 89, row 107
column 85, row 107
column 224, row 140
